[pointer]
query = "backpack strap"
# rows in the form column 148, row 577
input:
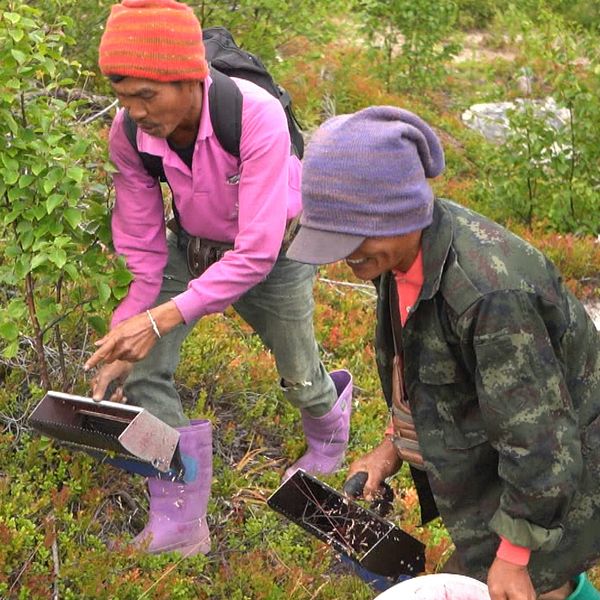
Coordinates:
column 294, row 128
column 225, row 102
column 153, row 165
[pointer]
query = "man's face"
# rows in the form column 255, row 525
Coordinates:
column 159, row 109
column 378, row 255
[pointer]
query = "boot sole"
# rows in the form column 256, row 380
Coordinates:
column 202, row 547
column 314, row 472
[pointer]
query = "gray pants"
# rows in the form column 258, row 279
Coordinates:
column 279, row 309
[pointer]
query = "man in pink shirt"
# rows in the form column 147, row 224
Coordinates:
column 237, row 211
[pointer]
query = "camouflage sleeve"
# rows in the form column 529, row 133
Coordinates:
column 530, row 419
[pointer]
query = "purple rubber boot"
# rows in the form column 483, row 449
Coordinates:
column 178, row 510
column 327, row 436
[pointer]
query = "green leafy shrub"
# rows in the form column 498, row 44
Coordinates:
column 543, row 172
column 86, row 25
column 56, row 271
column 261, row 26
column 583, row 12
column 478, row 13
column 410, row 40
column 264, row 26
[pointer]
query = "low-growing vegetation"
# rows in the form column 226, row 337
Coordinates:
column 65, row 518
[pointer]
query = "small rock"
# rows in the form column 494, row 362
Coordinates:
column 491, row 119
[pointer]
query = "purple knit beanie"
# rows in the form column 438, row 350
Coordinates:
column 365, row 175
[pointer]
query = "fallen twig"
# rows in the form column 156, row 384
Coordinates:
column 363, row 288
column 55, row 560
column 99, row 114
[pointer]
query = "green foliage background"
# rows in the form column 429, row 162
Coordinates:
column 59, row 279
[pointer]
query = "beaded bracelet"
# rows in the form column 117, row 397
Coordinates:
column 154, row 325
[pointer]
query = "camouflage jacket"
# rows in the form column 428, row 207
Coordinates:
column 502, row 371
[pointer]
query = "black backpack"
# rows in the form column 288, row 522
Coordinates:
column 226, row 60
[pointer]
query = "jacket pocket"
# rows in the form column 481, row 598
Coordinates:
column 453, row 395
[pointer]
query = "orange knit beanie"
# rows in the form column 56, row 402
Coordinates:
column 153, row 39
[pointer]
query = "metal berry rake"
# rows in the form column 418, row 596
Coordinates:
column 126, row 436
column 377, row 547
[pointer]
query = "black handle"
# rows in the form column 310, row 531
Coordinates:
column 354, row 488
column 111, row 388
column 355, row 485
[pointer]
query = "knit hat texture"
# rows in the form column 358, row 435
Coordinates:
column 365, row 175
column 153, row 39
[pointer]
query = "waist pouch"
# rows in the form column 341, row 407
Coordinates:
column 202, row 253
column 405, row 434
column 291, row 229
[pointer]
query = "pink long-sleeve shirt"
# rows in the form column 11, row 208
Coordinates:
column 244, row 201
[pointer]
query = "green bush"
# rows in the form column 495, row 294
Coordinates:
column 410, row 39
column 544, row 173
column 56, row 269
column 478, row 13
column 583, row 12
column 261, row 26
